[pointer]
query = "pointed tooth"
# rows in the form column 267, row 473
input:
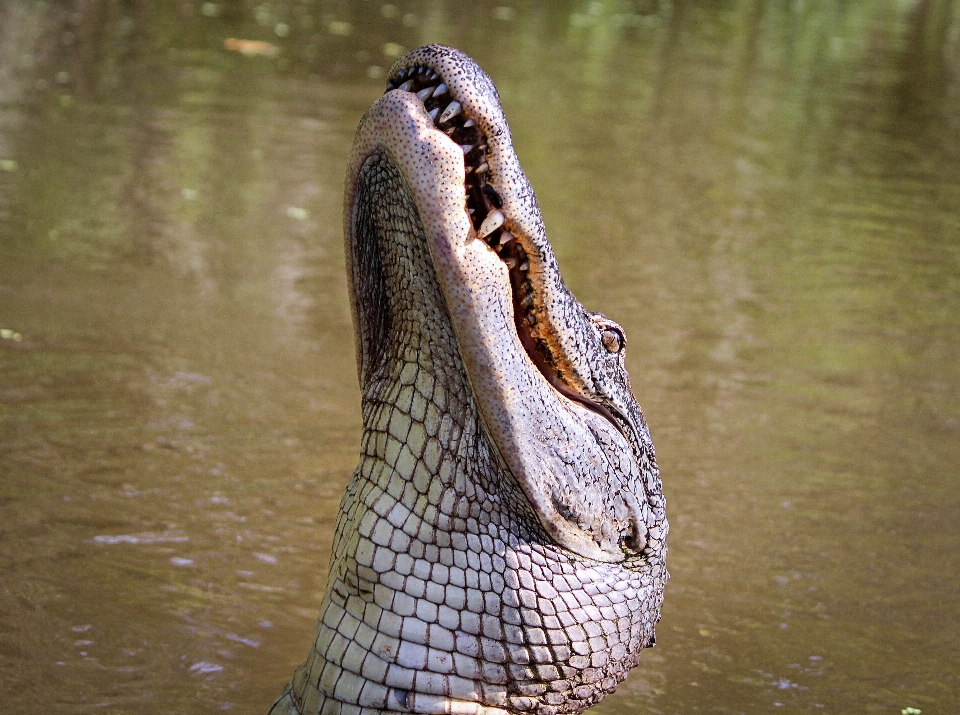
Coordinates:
column 491, row 223
column 511, row 262
column 452, row 110
column 424, row 94
column 525, row 266
column 433, row 113
column 469, row 123
column 432, row 75
column 483, row 168
column 401, row 75
column 483, row 147
column 471, row 211
column 449, row 131
column 406, row 85
column 441, row 89
column 467, row 148
column 468, row 169
column 527, row 300
column 505, row 238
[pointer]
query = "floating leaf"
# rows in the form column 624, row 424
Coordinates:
column 392, row 50
column 251, row 48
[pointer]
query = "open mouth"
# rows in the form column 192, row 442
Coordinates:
column 484, row 206
column 494, row 227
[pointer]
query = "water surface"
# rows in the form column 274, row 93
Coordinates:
column 765, row 194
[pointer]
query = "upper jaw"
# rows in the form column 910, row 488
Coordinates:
column 576, row 465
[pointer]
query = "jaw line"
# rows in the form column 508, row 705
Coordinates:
column 474, row 90
column 523, row 413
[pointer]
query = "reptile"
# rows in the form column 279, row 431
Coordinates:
column 500, row 548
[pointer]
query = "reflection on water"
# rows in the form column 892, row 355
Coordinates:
column 765, row 195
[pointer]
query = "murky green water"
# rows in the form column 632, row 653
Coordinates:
column 765, row 194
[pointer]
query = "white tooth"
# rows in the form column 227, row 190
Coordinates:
column 483, row 168
column 452, row 110
column 441, row 89
column 467, row 148
column 468, row 169
column 406, row 85
column 469, row 123
column 424, row 94
column 511, row 263
column 505, row 238
column 432, row 75
column 472, row 211
column 491, row 223
column 525, row 266
column 527, row 300
column 433, row 113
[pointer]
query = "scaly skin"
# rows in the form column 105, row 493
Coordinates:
column 501, row 546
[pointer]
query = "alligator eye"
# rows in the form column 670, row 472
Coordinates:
column 612, row 340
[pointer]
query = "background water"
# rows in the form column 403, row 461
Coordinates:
column 765, row 194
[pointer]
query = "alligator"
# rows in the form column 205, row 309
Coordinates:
column 500, row 548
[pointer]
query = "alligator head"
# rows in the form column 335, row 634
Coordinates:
column 501, row 546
